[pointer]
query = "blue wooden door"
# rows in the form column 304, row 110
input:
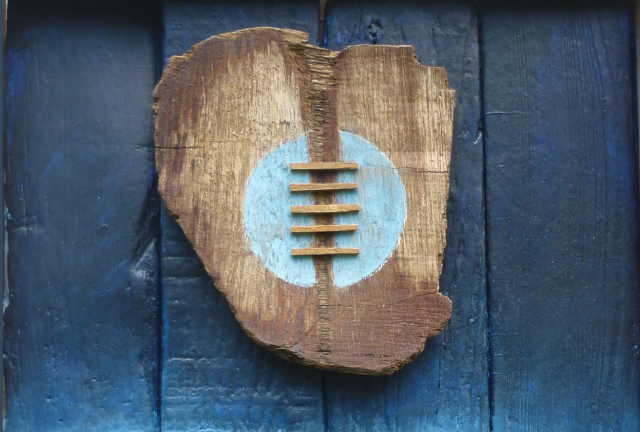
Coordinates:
column 112, row 324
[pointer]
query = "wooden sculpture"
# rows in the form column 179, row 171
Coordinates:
column 313, row 186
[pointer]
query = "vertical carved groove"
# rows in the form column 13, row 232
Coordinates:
column 323, row 146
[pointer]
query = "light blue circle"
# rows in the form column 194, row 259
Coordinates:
column 268, row 219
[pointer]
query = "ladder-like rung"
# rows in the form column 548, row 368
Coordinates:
column 324, row 251
column 323, row 228
column 303, row 187
column 327, row 208
column 324, row 166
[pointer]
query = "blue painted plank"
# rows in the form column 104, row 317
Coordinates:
column 188, row 22
column 81, row 324
column 2, row 214
column 562, row 206
column 446, row 387
column 215, row 378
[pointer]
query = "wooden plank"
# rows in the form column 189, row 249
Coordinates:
column 445, row 388
column 81, row 319
column 326, row 208
column 324, row 166
column 3, row 262
column 323, row 228
column 305, row 187
column 562, row 206
column 215, row 377
column 324, row 251
column 637, row 29
column 217, row 160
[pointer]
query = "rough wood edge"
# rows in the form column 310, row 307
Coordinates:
column 441, row 72
column 285, row 352
column 176, row 63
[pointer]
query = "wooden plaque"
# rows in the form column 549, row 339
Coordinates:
column 313, row 186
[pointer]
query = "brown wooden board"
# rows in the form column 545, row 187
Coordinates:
column 238, row 102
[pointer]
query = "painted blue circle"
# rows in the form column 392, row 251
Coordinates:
column 268, row 220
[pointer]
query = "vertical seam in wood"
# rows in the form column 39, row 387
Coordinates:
column 636, row 58
column 161, row 322
column 322, row 42
column 3, row 235
column 158, row 26
column 323, row 145
column 325, row 397
column 480, row 13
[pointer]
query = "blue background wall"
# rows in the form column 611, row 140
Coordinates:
column 112, row 324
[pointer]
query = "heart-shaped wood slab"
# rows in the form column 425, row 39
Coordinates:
column 313, row 186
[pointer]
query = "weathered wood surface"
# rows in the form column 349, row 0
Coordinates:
column 214, row 376
column 444, row 388
column 234, row 101
column 81, row 322
column 562, row 206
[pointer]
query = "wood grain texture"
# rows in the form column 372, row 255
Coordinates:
column 445, row 388
column 304, row 187
column 81, row 319
column 562, row 205
column 326, row 208
column 214, row 376
column 206, row 150
column 323, row 228
column 324, row 166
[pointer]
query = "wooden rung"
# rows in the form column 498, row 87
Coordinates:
column 325, row 251
column 323, row 228
column 324, row 166
column 301, row 187
column 329, row 208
